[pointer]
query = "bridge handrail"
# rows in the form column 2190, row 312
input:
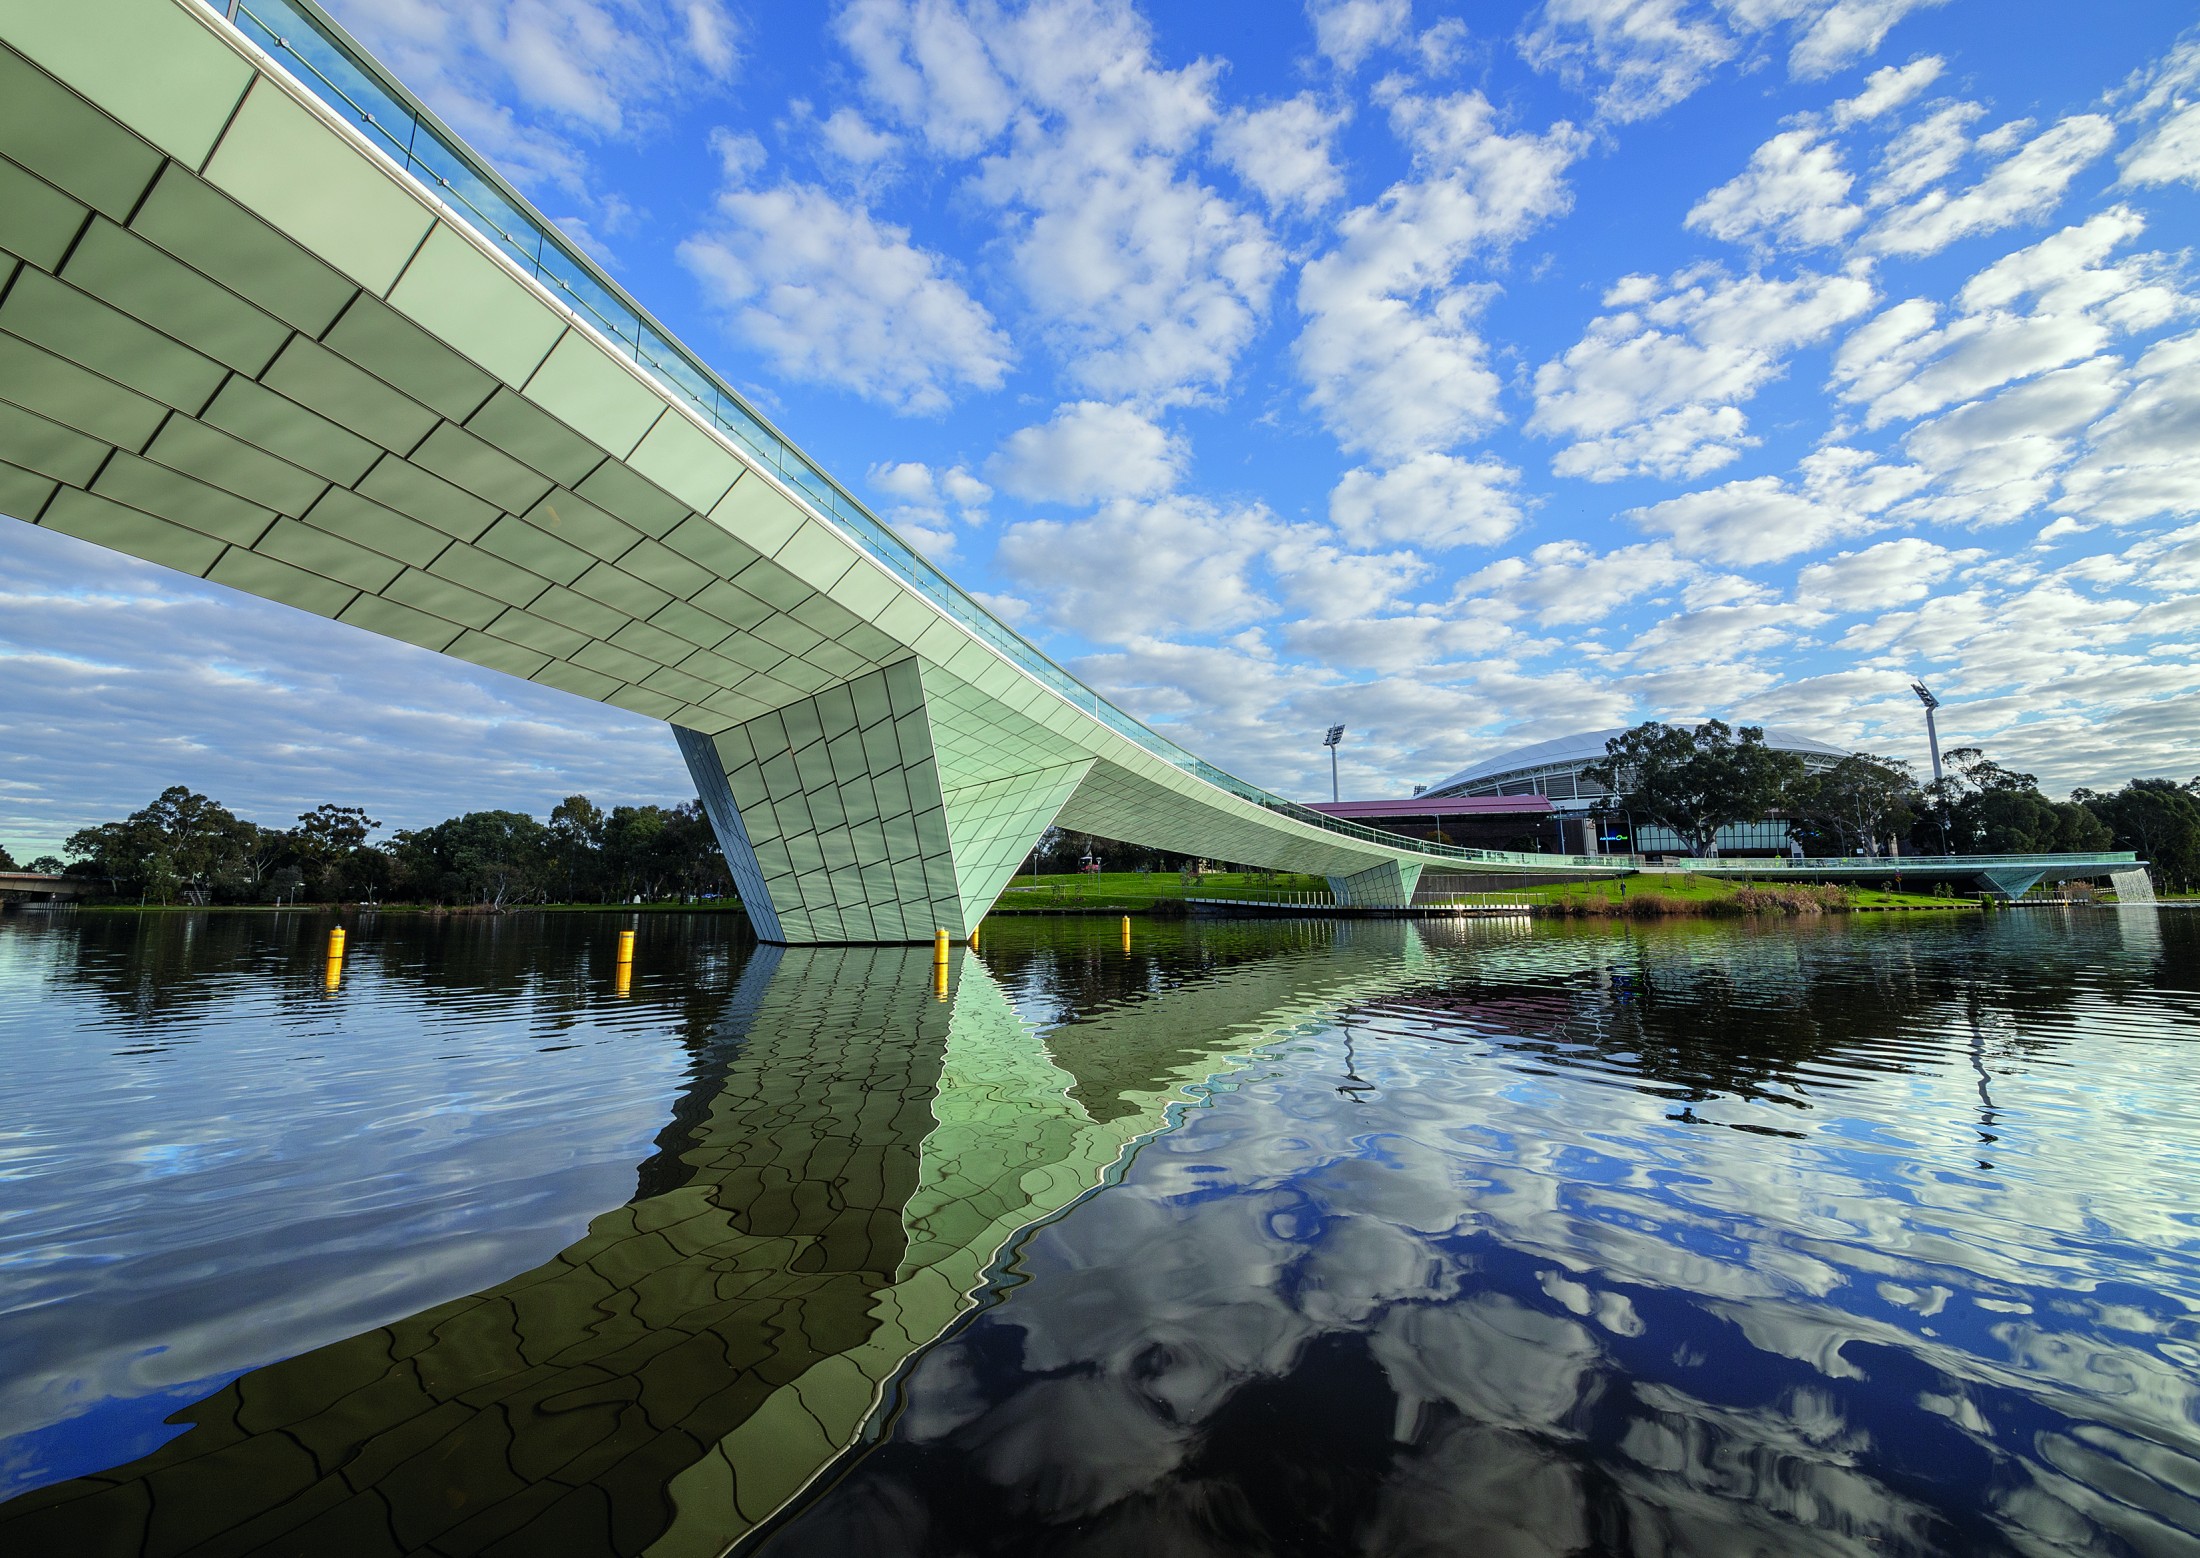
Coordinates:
column 321, row 57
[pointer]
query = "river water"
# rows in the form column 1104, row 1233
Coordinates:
column 1846, row 1236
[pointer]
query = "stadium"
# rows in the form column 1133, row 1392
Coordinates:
column 1539, row 797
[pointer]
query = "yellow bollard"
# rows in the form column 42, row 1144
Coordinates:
column 626, row 946
column 336, row 942
column 939, row 949
column 1126, row 933
column 974, row 936
column 332, row 973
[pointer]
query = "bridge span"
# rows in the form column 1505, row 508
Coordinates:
column 265, row 320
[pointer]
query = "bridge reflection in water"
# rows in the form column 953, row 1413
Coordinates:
column 831, row 1191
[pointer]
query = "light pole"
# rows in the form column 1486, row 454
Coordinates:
column 1331, row 741
column 1932, row 738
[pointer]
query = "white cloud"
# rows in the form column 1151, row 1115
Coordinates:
column 924, row 497
column 1653, row 387
column 2025, row 186
column 1089, row 451
column 1744, row 634
column 1285, row 151
column 1760, row 520
column 1833, row 36
column 828, row 293
column 1174, row 565
column 1887, row 89
column 1904, row 569
column 1334, row 585
column 1145, row 281
column 2144, row 457
column 1571, row 582
column 2169, row 150
column 1924, row 153
column 1389, row 351
column 1996, row 460
column 1640, row 57
column 1764, row 519
column 929, row 66
column 1904, row 363
column 1794, row 194
column 1347, row 31
column 852, row 139
column 1431, row 500
column 522, row 79
column 120, row 678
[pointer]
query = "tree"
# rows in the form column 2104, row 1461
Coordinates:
column 1851, row 805
column 1696, row 781
column 7, row 861
column 47, row 865
column 326, row 846
column 2158, row 818
column 576, row 844
column 489, row 857
column 1993, row 810
column 181, row 843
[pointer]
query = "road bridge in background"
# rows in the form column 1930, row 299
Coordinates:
column 36, row 885
column 265, row 320
column 2006, row 876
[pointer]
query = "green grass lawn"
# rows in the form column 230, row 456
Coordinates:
column 1129, row 891
column 1132, row 891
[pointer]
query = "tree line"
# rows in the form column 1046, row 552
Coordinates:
column 1696, row 781
column 186, row 848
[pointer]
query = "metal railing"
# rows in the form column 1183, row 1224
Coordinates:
column 321, row 57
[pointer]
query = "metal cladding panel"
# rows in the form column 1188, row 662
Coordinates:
column 1387, row 886
column 282, row 427
column 37, row 221
column 993, row 825
column 158, row 490
column 143, row 62
column 589, row 390
column 126, row 271
column 322, row 381
column 65, row 141
column 534, row 438
column 397, row 351
column 458, row 294
column 75, row 325
column 278, row 159
column 215, row 236
column 58, row 390
column 23, row 492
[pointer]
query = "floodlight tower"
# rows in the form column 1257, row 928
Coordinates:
column 1332, row 741
column 1932, row 738
column 1932, row 735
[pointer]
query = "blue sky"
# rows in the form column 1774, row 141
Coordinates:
column 1467, row 375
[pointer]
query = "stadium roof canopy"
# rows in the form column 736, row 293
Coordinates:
column 1588, row 747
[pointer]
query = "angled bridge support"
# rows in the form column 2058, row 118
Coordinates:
column 848, row 816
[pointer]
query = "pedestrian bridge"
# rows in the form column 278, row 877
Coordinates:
column 264, row 320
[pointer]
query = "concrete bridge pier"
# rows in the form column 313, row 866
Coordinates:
column 879, row 809
column 1386, row 886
